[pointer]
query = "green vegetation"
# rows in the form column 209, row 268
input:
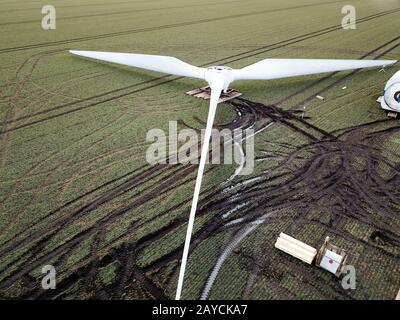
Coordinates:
column 75, row 188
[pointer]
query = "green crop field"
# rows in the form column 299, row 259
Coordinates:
column 76, row 191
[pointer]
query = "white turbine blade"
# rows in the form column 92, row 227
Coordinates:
column 281, row 68
column 216, row 88
column 164, row 64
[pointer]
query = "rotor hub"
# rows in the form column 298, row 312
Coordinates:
column 217, row 72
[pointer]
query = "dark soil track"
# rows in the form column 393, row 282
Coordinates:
column 328, row 176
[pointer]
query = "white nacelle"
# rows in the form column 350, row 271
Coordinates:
column 391, row 96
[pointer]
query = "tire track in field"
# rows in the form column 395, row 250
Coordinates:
column 230, row 59
column 153, row 239
column 106, row 14
column 80, row 239
column 44, row 183
column 141, row 30
column 12, row 100
column 84, row 5
column 53, row 155
column 147, row 174
column 168, row 184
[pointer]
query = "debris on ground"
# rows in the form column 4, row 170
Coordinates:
column 328, row 257
column 331, row 258
column 296, row 248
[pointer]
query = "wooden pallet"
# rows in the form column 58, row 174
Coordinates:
column 205, row 93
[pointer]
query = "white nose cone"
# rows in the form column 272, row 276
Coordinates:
column 219, row 72
column 392, row 96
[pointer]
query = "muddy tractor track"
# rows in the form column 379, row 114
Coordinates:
column 327, row 176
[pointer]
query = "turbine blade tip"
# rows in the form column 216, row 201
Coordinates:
column 389, row 61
